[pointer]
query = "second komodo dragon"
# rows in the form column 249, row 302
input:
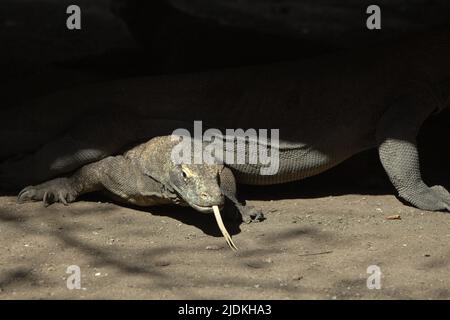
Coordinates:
column 326, row 110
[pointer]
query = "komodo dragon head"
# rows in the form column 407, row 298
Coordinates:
column 195, row 185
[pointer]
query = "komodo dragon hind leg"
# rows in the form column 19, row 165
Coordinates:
column 243, row 213
column 396, row 135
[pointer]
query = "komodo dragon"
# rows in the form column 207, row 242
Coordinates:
column 326, row 109
column 147, row 176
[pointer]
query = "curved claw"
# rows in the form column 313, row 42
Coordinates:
column 62, row 199
column 22, row 195
column 46, row 199
column 27, row 194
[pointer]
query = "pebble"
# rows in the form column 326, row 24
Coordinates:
column 162, row 263
column 268, row 260
column 214, row 247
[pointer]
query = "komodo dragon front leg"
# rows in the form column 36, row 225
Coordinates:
column 116, row 175
column 228, row 186
column 396, row 137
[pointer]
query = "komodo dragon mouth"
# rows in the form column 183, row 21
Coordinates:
column 219, row 221
column 217, row 215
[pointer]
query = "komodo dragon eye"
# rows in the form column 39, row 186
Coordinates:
column 186, row 173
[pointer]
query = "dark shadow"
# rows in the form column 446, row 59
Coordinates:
column 16, row 276
column 361, row 174
column 186, row 215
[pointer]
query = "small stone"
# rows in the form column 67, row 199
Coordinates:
column 254, row 265
column 162, row 263
column 214, row 247
column 268, row 260
column 394, row 217
column 257, row 286
column 98, row 274
column 297, row 278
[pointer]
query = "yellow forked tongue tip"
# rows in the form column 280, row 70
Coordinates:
column 223, row 229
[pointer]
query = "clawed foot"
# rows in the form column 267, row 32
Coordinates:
column 246, row 214
column 57, row 190
column 435, row 198
column 444, row 197
column 250, row 214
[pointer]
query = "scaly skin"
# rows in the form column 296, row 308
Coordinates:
column 326, row 109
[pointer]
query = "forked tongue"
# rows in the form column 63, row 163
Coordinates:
column 223, row 229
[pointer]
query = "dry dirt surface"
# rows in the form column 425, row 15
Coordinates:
column 317, row 248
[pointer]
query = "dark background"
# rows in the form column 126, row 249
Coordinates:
column 119, row 38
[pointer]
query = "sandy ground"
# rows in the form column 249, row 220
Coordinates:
column 317, row 248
